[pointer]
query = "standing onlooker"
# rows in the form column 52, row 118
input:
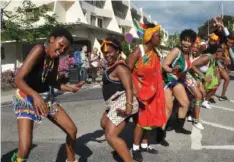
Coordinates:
column 85, row 64
column 94, row 59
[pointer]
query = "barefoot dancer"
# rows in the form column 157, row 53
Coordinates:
column 34, row 98
column 118, row 95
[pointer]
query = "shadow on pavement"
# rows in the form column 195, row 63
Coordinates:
column 81, row 149
column 84, row 152
column 7, row 156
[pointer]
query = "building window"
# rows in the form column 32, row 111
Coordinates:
column 99, row 3
column 93, row 20
column 32, row 14
column 99, row 22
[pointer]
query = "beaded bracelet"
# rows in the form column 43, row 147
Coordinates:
column 130, row 104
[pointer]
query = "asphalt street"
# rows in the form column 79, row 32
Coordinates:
column 215, row 143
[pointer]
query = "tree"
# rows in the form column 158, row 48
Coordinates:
column 127, row 48
column 173, row 41
column 21, row 24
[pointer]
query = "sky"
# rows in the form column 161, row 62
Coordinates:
column 175, row 16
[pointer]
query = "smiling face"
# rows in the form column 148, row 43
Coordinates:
column 58, row 46
column 230, row 43
column 186, row 45
column 195, row 50
column 111, row 55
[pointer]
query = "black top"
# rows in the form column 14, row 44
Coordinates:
column 34, row 78
column 110, row 87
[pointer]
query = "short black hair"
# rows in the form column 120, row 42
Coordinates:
column 116, row 44
column 62, row 32
column 214, row 48
column 188, row 33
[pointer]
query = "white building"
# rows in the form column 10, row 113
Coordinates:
column 93, row 21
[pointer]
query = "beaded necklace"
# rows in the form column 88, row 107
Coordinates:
column 47, row 67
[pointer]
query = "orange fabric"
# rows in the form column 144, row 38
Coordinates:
column 104, row 45
column 147, row 78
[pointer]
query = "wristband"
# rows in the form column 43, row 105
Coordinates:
column 129, row 104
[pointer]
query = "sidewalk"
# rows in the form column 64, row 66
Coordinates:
column 6, row 96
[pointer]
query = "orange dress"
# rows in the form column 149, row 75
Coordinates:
column 147, row 78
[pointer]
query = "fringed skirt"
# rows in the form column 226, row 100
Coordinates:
column 23, row 106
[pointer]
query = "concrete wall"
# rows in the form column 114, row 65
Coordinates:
column 13, row 56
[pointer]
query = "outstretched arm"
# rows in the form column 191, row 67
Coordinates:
column 202, row 61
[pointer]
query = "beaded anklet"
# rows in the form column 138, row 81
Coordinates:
column 16, row 158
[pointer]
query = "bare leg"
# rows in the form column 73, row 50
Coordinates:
column 112, row 133
column 226, row 78
column 25, row 130
column 181, row 95
column 62, row 120
column 203, row 91
column 168, row 104
column 104, row 120
column 198, row 97
column 138, row 132
column 210, row 93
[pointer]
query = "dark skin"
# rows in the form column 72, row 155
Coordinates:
column 178, row 90
column 57, row 46
column 204, row 60
column 132, row 59
column 112, row 132
column 32, row 58
column 195, row 89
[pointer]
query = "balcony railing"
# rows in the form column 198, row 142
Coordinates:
column 120, row 10
column 99, row 4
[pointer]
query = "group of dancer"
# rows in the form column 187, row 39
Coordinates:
column 143, row 88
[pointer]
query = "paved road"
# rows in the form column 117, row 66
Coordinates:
column 215, row 143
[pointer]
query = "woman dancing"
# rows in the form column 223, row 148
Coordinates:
column 175, row 67
column 144, row 63
column 34, row 97
column 118, row 95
